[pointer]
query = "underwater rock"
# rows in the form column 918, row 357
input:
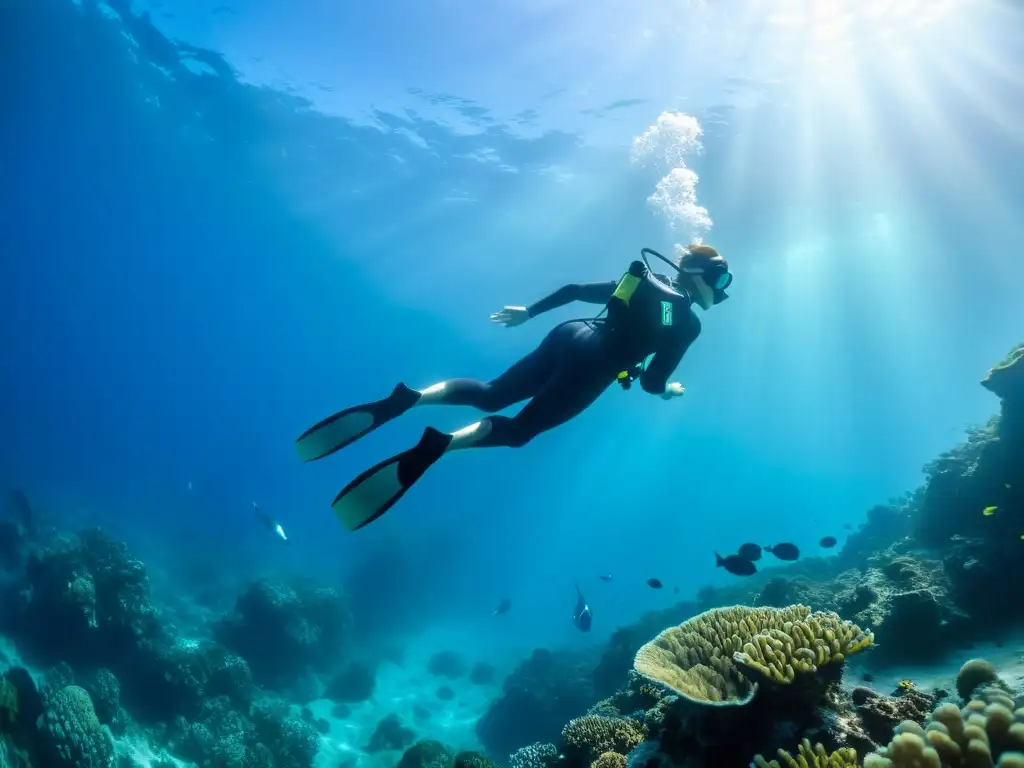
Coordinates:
column 447, row 664
column 70, row 733
column 427, row 754
column 538, row 698
column 483, row 674
column 287, row 630
column 904, row 599
column 21, row 705
column 91, row 587
column 175, row 678
column 354, row 683
column 291, row 741
column 105, row 690
column 390, row 734
column 616, row 662
column 445, row 693
column 879, row 714
column 12, row 546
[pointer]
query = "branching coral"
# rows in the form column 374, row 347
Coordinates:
column 811, row 757
column 592, row 735
column 719, row 656
column 987, row 732
column 610, row 760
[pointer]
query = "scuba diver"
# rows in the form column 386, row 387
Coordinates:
column 645, row 314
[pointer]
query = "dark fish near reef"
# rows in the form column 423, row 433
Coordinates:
column 606, row 577
column 784, row 551
column 828, row 542
column 271, row 524
column 675, row 590
column 736, row 565
column 751, row 552
column 582, row 617
column 867, row 677
column 502, row 608
column 654, row 583
column 847, row 527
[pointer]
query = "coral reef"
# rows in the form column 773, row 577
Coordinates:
column 447, row 664
column 810, row 757
column 538, row 698
column 70, row 733
column 720, row 656
column 987, row 731
column 352, row 684
column 285, row 631
column 586, row 738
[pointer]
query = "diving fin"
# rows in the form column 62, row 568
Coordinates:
column 345, row 427
column 377, row 489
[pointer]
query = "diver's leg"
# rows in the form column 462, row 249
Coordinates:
column 522, row 380
column 582, row 374
column 565, row 398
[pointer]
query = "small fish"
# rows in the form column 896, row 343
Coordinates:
column 1008, row 486
column 582, row 617
column 272, row 525
column 867, row 677
column 736, row 565
column 828, row 542
column 675, row 590
column 906, row 685
column 784, row 551
column 989, row 511
column 503, row 607
column 654, row 583
column 190, row 485
column 606, row 577
column 847, row 526
column 751, row 552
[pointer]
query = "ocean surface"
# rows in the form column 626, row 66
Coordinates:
column 222, row 222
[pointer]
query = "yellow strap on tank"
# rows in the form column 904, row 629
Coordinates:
column 626, row 288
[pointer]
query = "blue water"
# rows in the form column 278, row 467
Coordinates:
column 201, row 260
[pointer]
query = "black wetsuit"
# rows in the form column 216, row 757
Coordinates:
column 579, row 359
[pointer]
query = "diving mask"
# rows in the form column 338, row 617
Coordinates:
column 716, row 274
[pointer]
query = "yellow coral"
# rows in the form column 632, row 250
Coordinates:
column 593, row 735
column 711, row 658
column 986, row 728
column 811, row 757
column 609, row 760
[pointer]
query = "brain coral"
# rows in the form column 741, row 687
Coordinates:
column 719, row 656
column 72, row 734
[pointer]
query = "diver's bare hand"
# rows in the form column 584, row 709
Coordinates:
column 511, row 316
column 675, row 389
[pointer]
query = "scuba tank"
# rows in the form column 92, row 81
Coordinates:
column 619, row 310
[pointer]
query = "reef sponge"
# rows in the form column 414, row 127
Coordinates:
column 71, row 733
column 811, row 757
column 972, row 675
column 719, row 656
column 592, row 735
column 610, row 760
column 987, row 732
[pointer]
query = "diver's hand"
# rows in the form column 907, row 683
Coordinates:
column 675, row 389
column 511, row 316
